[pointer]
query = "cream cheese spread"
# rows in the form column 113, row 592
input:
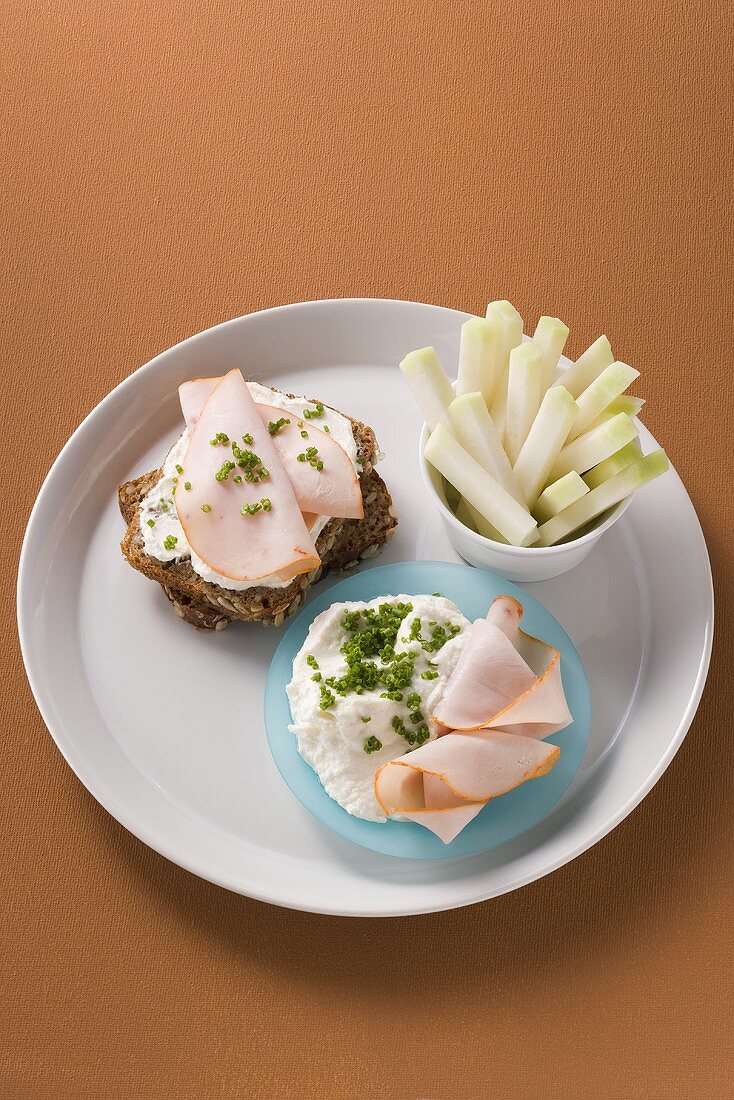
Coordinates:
column 339, row 742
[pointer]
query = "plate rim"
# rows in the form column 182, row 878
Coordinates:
column 129, row 820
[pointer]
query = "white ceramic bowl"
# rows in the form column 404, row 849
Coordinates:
column 516, row 563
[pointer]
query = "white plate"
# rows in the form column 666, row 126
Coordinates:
column 164, row 724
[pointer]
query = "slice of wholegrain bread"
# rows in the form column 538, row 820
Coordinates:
column 341, row 544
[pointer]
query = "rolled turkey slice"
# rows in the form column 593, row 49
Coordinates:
column 272, row 539
column 445, row 783
column 505, row 679
column 331, row 490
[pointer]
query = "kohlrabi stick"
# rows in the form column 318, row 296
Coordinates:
column 611, row 384
column 472, row 425
column 499, row 406
column 617, row 462
column 429, row 384
column 479, row 488
column 480, row 361
column 550, row 336
column 603, row 497
column 626, row 404
column 507, row 326
column 593, row 446
column 523, row 396
column 561, row 494
column 475, row 521
column 586, row 368
column 546, row 437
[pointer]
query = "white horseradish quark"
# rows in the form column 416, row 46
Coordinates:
column 163, row 535
column 365, row 685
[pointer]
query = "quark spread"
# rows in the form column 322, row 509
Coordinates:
column 163, row 535
column 365, row 685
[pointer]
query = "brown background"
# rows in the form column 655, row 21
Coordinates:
column 169, row 165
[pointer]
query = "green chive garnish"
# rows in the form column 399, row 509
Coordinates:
column 224, row 470
column 326, row 699
column 275, row 425
column 310, row 455
column 263, row 505
column 371, row 660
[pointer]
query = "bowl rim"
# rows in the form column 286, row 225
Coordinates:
column 498, row 547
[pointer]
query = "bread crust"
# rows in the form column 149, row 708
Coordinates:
column 341, row 545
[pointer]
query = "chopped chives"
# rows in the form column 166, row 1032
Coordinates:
column 224, row 470
column 326, row 699
column 263, row 505
column 274, row 426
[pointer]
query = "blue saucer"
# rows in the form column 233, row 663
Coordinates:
column 472, row 590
